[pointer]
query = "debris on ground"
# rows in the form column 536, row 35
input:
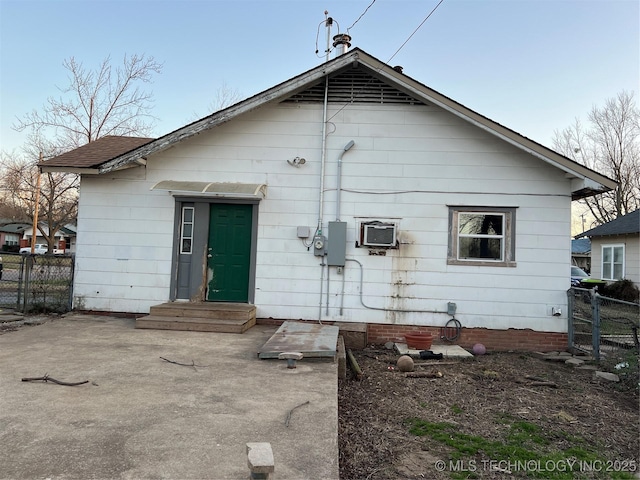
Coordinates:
column 47, row 378
column 480, row 399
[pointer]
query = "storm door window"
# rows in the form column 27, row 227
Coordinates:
column 480, row 236
column 186, row 230
column 613, row 262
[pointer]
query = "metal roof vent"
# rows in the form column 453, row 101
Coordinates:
column 341, row 42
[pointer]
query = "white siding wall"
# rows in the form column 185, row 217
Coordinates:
column 429, row 158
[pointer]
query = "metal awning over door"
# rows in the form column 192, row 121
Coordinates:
column 213, row 189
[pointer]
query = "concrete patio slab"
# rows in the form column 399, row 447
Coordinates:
column 143, row 417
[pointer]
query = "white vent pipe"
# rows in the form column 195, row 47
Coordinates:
column 341, row 42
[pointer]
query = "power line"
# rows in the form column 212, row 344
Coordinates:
column 361, row 15
column 417, row 28
column 391, row 58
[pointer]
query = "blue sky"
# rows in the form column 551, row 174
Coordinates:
column 532, row 65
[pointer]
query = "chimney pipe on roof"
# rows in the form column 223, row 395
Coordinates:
column 341, row 42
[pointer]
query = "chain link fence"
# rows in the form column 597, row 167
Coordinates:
column 36, row 283
column 607, row 329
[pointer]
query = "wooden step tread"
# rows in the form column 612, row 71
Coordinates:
column 195, row 324
column 240, row 311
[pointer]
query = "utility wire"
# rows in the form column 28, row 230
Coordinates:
column 391, row 58
column 361, row 15
column 417, row 28
column 328, row 22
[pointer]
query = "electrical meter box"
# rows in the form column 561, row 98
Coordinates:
column 337, row 250
column 319, row 245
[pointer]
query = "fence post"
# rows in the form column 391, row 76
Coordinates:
column 72, row 272
column 20, row 283
column 595, row 325
column 27, row 280
column 570, row 328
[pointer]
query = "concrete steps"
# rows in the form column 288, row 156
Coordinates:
column 200, row 317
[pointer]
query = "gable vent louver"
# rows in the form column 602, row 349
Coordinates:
column 354, row 86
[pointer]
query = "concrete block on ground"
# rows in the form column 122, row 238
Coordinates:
column 575, row 362
column 260, row 460
column 611, row 377
column 447, row 351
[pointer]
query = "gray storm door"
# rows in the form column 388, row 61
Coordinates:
column 229, row 252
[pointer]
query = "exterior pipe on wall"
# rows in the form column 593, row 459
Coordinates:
column 386, row 309
column 346, row 148
column 328, row 285
column 323, row 158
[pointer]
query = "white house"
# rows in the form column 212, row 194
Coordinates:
column 615, row 249
column 349, row 193
column 64, row 239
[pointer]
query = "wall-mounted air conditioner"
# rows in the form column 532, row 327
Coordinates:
column 379, row 234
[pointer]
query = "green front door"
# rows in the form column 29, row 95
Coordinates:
column 229, row 252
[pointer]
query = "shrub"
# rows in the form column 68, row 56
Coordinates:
column 624, row 290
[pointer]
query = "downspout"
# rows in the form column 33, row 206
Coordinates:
column 339, row 185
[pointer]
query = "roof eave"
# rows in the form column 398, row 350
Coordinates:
column 273, row 94
column 585, row 182
column 76, row 170
column 549, row 156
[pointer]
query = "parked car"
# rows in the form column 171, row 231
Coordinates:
column 40, row 248
column 581, row 279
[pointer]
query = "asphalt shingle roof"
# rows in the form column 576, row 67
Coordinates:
column 625, row 225
column 97, row 152
column 580, row 246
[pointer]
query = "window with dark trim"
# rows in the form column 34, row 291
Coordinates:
column 482, row 236
column 186, row 230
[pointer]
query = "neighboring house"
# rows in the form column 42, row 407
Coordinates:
column 64, row 237
column 615, row 249
column 10, row 235
column 430, row 209
column 581, row 253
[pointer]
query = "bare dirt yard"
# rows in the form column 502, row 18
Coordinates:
column 506, row 415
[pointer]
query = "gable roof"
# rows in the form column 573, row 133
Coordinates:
column 97, row 152
column 14, row 227
column 585, row 182
column 625, row 225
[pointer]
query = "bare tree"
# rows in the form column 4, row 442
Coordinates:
column 96, row 104
column 58, row 199
column 224, row 97
column 609, row 144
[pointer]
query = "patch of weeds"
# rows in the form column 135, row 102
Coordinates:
column 456, row 409
column 524, row 448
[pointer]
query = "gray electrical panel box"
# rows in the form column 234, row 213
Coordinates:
column 337, row 250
